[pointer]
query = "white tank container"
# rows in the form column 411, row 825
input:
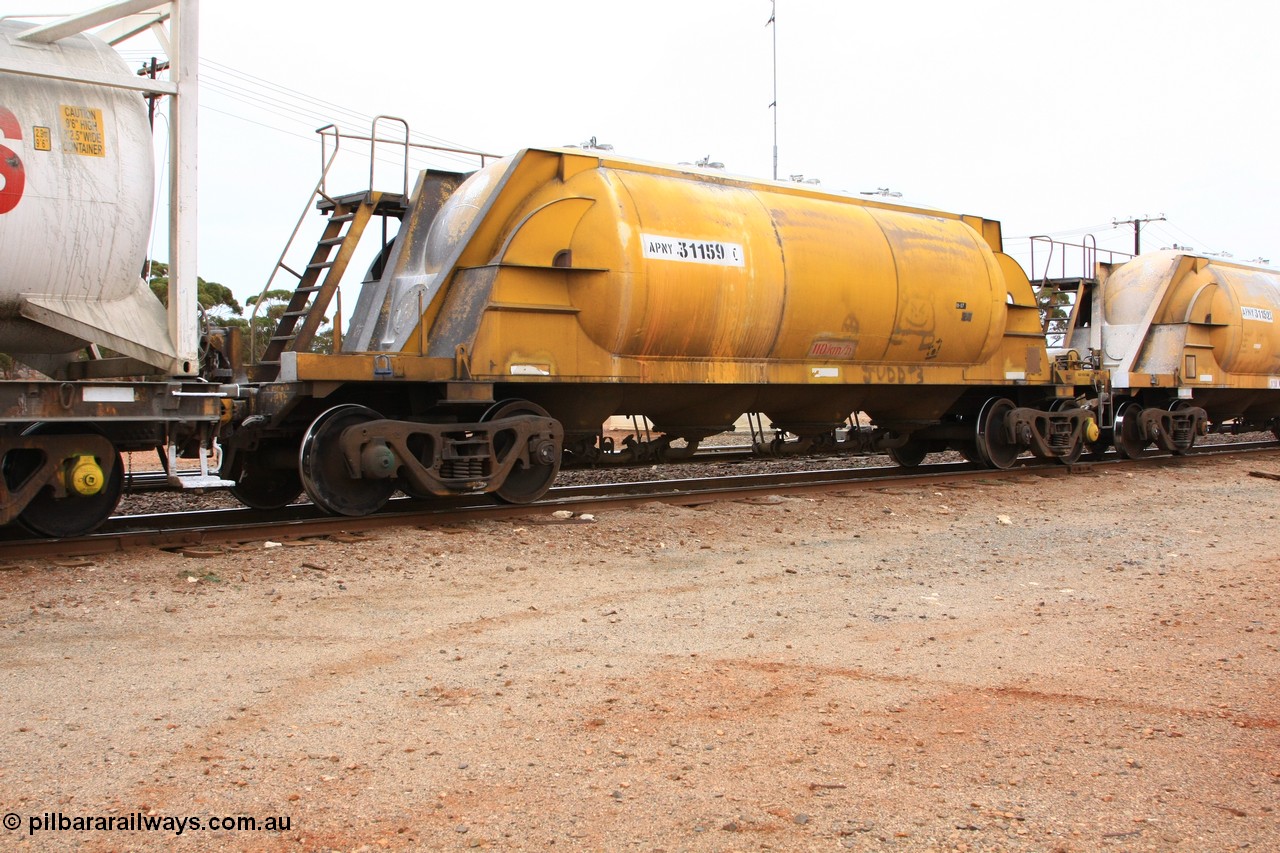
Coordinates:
column 76, row 190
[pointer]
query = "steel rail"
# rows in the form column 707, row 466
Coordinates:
column 188, row 530
column 156, row 481
column 136, row 482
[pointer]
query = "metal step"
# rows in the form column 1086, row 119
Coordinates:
column 389, row 203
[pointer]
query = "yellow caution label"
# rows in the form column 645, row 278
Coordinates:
column 42, row 138
column 83, row 131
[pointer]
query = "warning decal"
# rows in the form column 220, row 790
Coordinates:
column 83, row 131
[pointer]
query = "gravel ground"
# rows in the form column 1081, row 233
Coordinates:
column 1085, row 662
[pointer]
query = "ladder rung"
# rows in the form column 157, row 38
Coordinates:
column 312, row 289
column 342, row 217
column 320, row 266
column 283, row 337
column 294, row 313
column 332, row 241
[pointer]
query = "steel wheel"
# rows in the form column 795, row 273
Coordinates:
column 262, row 486
column 323, row 468
column 525, row 484
column 1127, row 435
column 1073, row 455
column 74, row 515
column 1095, row 450
column 994, row 450
column 910, row 454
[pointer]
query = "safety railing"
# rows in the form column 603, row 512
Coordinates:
column 404, row 144
column 1061, row 260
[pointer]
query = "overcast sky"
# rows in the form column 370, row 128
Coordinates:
column 1053, row 117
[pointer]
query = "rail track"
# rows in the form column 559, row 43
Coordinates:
column 199, row 528
column 157, row 481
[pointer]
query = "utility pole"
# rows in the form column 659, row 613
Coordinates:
column 1137, row 223
column 773, row 22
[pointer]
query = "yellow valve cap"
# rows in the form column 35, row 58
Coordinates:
column 86, row 477
column 1091, row 431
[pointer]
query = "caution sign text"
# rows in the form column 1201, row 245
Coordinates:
column 82, row 128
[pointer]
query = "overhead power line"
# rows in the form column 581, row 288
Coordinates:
column 318, row 107
column 293, row 112
column 1066, row 232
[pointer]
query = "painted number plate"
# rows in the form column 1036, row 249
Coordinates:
column 693, row 251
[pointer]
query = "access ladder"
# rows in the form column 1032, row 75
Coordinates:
column 319, row 280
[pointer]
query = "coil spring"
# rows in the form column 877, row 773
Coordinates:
column 464, row 468
column 1059, row 437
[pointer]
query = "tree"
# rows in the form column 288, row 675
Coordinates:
column 209, row 294
column 217, row 303
column 1055, row 307
column 272, row 306
column 218, row 300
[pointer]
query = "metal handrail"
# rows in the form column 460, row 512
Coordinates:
column 483, row 156
column 1048, row 261
column 373, row 150
column 326, row 161
column 1088, row 255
